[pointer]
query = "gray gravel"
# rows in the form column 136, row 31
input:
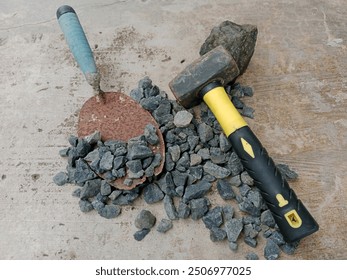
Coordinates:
column 164, row 225
column 145, row 220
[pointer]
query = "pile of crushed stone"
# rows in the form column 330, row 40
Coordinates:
column 198, row 159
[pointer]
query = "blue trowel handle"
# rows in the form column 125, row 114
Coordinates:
column 78, row 44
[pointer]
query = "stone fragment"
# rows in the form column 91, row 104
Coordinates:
column 234, row 164
column 179, row 178
column 224, row 143
column 167, row 185
column 271, row 250
column 97, row 205
column 118, row 162
column 164, row 225
column 225, row 190
column 83, row 147
column 85, row 206
column 277, row 237
column 213, row 218
column 193, row 141
column 267, row 219
column 232, row 246
column 175, row 152
column 238, row 40
column 170, row 208
column 195, row 159
column 252, row 256
column 64, row 152
column 114, row 194
column 83, row 172
column 247, row 112
column 249, row 231
column 183, row 163
column 197, row 190
column 145, row 219
column 73, row 140
column 76, row 192
column 246, row 179
column 289, row 248
column 105, row 188
column 93, row 138
column 169, row 164
column 110, row 211
column 183, row 210
column 216, row 170
column 152, row 193
column 137, row 94
column 217, row 156
column 90, row 188
column 196, row 172
column 250, row 241
column 182, row 118
column 233, row 229
column 287, row 172
column 198, row 207
column 141, row 234
column 244, row 189
column 138, row 151
column 151, row 134
column 61, row 178
column 150, row 103
column 217, row 234
column 205, row 132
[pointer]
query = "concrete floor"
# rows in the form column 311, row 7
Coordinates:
column 298, row 73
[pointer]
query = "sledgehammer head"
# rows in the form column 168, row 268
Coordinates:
column 216, row 65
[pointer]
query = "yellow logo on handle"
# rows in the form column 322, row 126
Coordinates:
column 281, row 201
column 293, row 219
column 247, row 147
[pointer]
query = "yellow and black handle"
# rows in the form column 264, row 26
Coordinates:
column 290, row 214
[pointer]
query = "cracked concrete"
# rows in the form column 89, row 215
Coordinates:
column 298, row 73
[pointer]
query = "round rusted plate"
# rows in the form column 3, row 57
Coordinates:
column 118, row 117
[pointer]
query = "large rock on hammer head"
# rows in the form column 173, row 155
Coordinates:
column 216, row 65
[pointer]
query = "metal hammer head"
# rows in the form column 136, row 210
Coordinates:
column 216, row 65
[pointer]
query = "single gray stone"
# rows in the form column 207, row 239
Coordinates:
column 128, row 182
column 197, row 190
column 250, row 241
column 120, row 151
column 228, row 211
column 196, row 172
column 183, row 210
column 83, row 147
column 224, row 143
column 137, row 94
column 246, row 179
column 180, row 190
column 213, row 217
column 204, row 153
column 73, row 140
column 225, row 190
column 145, row 219
column 179, row 178
column 271, row 250
column 150, row 103
column 217, row 156
column 244, row 189
column 106, row 162
column 92, row 156
column 169, row 164
column 164, row 225
column 110, row 211
column 141, row 234
column 93, row 138
column 85, row 206
column 233, row 229
column 267, row 219
column 114, row 194
column 249, row 231
column 183, row 118
column 152, row 193
column 255, row 197
column 198, row 207
column 214, row 142
column 252, row 256
column 83, row 172
column 165, row 119
column 233, row 246
column 247, row 112
column 234, row 164
column 277, row 237
column 287, row 172
column 247, row 206
column 167, row 185
column 216, row 170
column 77, row 192
column 205, row 132
column 289, row 248
column 134, row 165
column 151, row 134
column 237, row 102
column 138, row 151
column 217, row 234
column 90, row 188
column 183, row 163
column 192, row 142
column 105, row 188
column 64, row 152
column 175, row 152
column 247, row 91
column 146, row 162
column 119, row 162
column 97, row 205
column 195, row 159
column 238, row 40
column 170, row 208
column 61, row 178
column 145, row 82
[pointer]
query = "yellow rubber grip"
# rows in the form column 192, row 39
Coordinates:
column 224, row 110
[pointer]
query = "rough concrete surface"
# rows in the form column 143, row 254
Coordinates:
column 298, row 73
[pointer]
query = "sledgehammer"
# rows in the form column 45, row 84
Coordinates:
column 205, row 79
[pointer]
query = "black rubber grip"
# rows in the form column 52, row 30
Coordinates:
column 290, row 214
column 63, row 10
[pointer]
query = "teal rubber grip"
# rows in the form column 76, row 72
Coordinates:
column 293, row 219
column 77, row 40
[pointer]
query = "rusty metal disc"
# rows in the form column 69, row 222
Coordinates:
column 118, row 117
